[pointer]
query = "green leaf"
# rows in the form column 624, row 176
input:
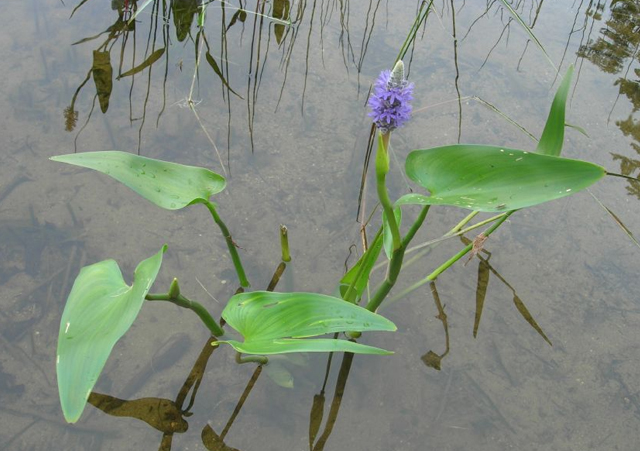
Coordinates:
column 100, row 309
column 552, row 137
column 168, row 185
column 275, row 323
column 489, row 178
column 285, row 345
column 358, row 276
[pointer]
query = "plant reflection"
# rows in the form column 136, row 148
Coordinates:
column 615, row 51
column 279, row 19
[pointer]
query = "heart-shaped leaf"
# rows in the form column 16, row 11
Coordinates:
column 168, row 185
column 276, row 323
column 100, row 309
column 489, row 178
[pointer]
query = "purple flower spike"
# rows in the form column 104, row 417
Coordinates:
column 389, row 102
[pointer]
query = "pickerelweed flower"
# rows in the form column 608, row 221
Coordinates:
column 389, row 102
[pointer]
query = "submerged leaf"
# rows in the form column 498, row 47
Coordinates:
column 168, row 185
column 481, row 293
column 494, row 179
column 212, row 441
column 529, row 318
column 315, row 417
column 100, row 309
column 276, row 323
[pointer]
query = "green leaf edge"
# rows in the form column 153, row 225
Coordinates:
column 177, row 205
column 72, row 413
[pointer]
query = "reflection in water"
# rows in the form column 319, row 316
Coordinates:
column 615, row 51
column 280, row 20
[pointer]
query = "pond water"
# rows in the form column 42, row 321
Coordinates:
column 280, row 110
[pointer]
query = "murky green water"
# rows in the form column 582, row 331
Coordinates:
column 293, row 135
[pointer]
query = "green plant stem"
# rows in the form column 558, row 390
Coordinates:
column 244, row 282
column 259, row 359
column 462, row 223
column 395, row 264
column 284, row 243
column 446, row 265
column 196, row 307
column 382, row 168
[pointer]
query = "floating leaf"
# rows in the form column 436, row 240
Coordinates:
column 552, row 137
column 102, row 77
column 155, row 56
column 275, row 323
column 100, row 309
column 489, row 178
column 168, row 185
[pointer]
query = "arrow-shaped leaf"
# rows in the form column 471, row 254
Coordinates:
column 490, row 178
column 168, row 185
column 100, row 309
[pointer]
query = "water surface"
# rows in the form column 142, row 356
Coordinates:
column 290, row 126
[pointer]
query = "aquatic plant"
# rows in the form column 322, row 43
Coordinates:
column 101, row 306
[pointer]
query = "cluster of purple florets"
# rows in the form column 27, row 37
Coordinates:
column 389, row 102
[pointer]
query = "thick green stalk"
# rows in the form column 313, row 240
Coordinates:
column 175, row 297
column 382, row 168
column 395, row 264
column 284, row 243
column 244, row 282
